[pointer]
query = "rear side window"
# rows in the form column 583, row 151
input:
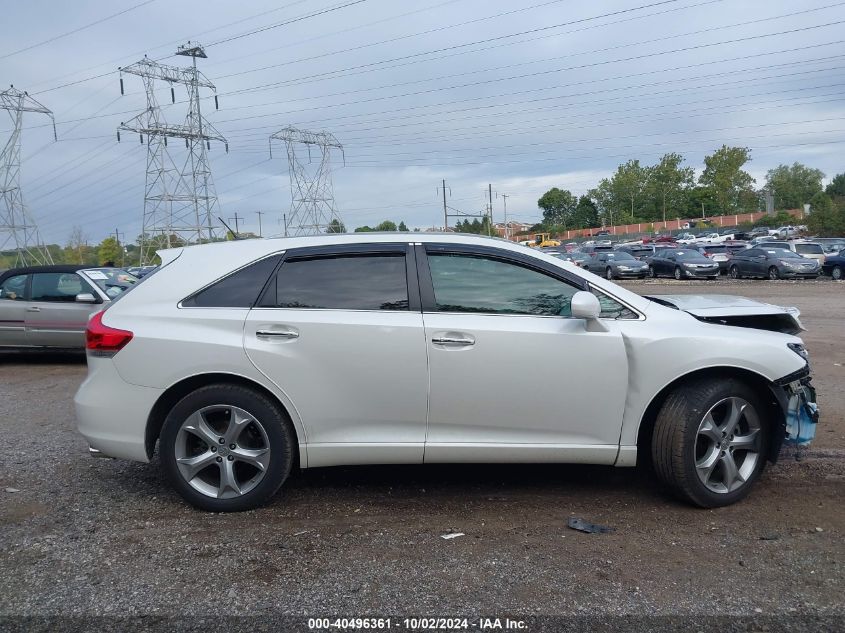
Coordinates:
column 342, row 282
column 809, row 249
column 238, row 290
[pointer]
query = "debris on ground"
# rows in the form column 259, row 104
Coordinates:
column 452, row 535
column 585, row 526
column 769, row 537
column 12, row 490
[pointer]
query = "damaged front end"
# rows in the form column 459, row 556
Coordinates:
column 796, row 398
column 735, row 311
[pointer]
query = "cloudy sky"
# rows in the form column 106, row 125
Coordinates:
column 524, row 94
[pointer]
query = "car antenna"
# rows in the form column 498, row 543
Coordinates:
column 235, row 236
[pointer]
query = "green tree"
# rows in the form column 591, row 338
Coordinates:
column 827, row 217
column 336, row 226
column 364, row 229
column 793, row 186
column 586, row 214
column 558, row 205
column 403, row 226
column 629, row 182
column 669, row 184
column 836, row 188
column 724, row 177
column 387, row 225
column 108, row 251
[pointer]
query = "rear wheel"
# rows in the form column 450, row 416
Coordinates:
column 679, row 274
column 734, row 272
column 709, row 441
column 227, row 448
column 836, row 273
column 774, row 273
column 609, row 273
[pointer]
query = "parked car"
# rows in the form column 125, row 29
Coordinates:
column 638, row 251
column 785, row 232
column 721, row 253
column 592, row 248
column 616, row 265
column 834, row 265
column 240, row 359
column 49, row 306
column 141, row 271
column 682, row 264
column 774, row 263
column 831, row 244
column 576, row 257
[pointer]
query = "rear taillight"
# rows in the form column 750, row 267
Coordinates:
column 102, row 340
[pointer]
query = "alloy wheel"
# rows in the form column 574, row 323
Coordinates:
column 609, row 273
column 773, row 273
column 836, row 273
column 222, row 451
column 678, row 274
column 728, row 445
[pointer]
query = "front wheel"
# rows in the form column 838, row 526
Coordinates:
column 679, row 274
column 227, row 448
column 652, row 273
column 734, row 272
column 709, row 441
column 774, row 273
column 836, row 273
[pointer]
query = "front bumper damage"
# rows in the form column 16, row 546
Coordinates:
column 796, row 398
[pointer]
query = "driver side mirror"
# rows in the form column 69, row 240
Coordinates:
column 86, row 297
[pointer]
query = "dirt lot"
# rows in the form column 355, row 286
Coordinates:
column 101, row 537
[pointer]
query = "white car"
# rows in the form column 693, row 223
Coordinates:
column 242, row 360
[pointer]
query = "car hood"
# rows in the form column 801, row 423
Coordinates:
column 735, row 311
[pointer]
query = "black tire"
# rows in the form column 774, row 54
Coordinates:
column 280, row 435
column 679, row 274
column 734, row 272
column 608, row 273
column 836, row 273
column 774, row 273
column 652, row 273
column 676, row 432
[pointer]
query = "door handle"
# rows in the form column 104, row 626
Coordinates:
column 286, row 334
column 33, row 309
column 452, row 340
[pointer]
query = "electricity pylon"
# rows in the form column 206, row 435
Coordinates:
column 312, row 207
column 17, row 227
column 180, row 203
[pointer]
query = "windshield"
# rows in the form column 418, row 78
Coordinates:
column 112, row 281
column 621, row 256
column 717, row 249
column 809, row 249
column 688, row 255
column 784, row 254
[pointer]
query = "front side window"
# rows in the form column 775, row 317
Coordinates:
column 479, row 284
column 56, row 287
column 13, row 288
column 343, row 282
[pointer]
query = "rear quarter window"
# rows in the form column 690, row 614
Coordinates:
column 239, row 289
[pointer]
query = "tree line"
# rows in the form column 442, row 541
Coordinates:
column 668, row 190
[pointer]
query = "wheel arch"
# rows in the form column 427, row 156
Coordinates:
column 762, row 385
column 179, row 390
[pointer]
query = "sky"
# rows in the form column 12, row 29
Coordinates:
column 522, row 95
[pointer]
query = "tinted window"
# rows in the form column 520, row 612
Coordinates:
column 470, row 283
column 56, row 287
column 238, row 290
column 753, row 252
column 347, row 282
column 809, row 249
column 621, row 256
column 13, row 288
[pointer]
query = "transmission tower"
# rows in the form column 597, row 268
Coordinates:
column 312, row 207
column 17, row 227
column 180, row 202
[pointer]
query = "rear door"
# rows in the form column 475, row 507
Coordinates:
column 513, row 376
column 53, row 316
column 13, row 311
column 340, row 332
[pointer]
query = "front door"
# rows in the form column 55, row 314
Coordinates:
column 340, row 332
column 53, row 316
column 513, row 376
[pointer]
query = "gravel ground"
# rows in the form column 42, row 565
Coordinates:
column 85, row 537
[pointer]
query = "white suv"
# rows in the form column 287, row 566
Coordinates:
column 241, row 360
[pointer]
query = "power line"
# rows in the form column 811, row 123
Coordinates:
column 77, row 30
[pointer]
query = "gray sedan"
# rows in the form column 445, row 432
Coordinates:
column 616, row 265
column 49, row 306
column 774, row 263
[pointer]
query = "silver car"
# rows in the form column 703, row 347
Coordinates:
column 49, row 306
